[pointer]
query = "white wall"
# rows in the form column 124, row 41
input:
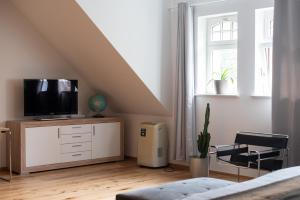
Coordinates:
column 232, row 114
column 25, row 54
column 139, row 30
column 145, row 44
column 228, row 114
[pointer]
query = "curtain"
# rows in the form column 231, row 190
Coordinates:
column 286, row 74
column 185, row 105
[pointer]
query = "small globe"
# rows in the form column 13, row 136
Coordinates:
column 97, row 103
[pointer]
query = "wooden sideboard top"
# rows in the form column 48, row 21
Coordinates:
column 36, row 123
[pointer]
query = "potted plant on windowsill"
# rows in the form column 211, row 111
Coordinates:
column 222, row 82
column 199, row 165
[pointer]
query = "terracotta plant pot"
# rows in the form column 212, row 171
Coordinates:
column 221, row 86
column 199, row 167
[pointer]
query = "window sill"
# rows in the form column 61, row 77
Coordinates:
column 261, row 96
column 234, row 95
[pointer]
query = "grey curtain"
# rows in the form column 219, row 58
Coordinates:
column 185, row 112
column 286, row 74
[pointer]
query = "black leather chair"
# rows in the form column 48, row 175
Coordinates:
column 254, row 150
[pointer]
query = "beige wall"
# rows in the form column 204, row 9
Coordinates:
column 67, row 27
column 25, row 54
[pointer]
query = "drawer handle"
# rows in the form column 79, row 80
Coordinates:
column 79, row 145
column 78, row 136
column 74, row 155
column 76, row 127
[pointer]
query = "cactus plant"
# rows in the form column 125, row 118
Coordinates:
column 204, row 137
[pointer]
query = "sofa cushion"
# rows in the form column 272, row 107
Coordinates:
column 252, row 185
column 176, row 190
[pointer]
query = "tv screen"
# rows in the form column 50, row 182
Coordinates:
column 44, row 97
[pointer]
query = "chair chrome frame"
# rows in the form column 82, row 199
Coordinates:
column 282, row 152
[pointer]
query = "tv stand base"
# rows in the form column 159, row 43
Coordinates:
column 52, row 118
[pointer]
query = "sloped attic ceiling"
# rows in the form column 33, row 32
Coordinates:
column 140, row 30
column 66, row 26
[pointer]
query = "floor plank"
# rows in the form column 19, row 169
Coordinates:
column 101, row 181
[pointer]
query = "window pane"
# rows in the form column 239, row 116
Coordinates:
column 222, row 28
column 235, row 26
column 264, row 72
column 269, row 29
column 234, row 36
column 226, row 35
column 224, row 58
column 216, row 36
column 216, row 28
column 227, row 25
column 263, row 53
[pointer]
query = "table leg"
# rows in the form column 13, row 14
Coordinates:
column 10, row 165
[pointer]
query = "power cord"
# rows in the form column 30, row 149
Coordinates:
column 169, row 169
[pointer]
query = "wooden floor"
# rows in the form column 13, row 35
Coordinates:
column 101, row 181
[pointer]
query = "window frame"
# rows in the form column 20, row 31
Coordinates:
column 214, row 20
column 211, row 45
column 209, row 64
column 245, row 11
column 263, row 41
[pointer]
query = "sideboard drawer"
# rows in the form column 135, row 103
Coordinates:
column 71, row 129
column 70, row 157
column 75, row 138
column 76, row 147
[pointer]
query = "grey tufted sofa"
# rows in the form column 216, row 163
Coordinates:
column 207, row 188
column 176, row 190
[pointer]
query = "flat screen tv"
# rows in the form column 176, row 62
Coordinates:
column 48, row 97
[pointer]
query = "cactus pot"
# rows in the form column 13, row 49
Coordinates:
column 221, row 86
column 199, row 167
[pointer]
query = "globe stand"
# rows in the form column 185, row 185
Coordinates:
column 98, row 115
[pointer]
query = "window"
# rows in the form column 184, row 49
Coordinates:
column 222, row 29
column 217, row 47
column 264, row 51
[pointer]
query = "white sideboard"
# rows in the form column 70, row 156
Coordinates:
column 45, row 145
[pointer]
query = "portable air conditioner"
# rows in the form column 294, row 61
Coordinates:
column 153, row 145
